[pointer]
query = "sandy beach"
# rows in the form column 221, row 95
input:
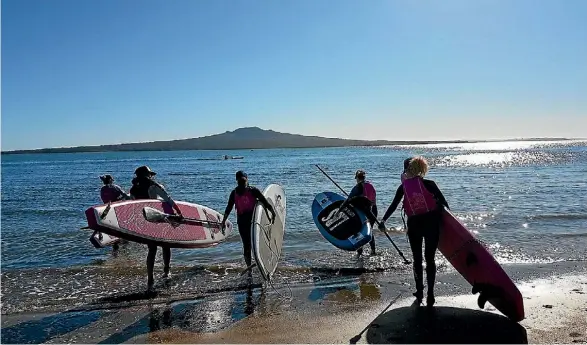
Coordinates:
column 555, row 297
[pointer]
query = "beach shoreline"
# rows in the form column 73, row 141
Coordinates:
column 330, row 311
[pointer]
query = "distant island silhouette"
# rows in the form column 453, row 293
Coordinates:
column 243, row 138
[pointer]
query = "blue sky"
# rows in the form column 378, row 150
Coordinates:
column 109, row 71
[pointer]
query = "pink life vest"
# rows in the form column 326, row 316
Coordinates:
column 417, row 199
column 109, row 193
column 369, row 192
column 245, row 203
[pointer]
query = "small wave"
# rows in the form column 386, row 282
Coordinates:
column 571, row 235
column 184, row 173
column 312, row 270
column 42, row 212
column 559, row 216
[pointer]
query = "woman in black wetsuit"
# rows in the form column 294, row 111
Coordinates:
column 423, row 203
column 245, row 198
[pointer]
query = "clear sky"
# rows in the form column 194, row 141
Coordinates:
column 77, row 72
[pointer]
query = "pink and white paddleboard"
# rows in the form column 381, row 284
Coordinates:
column 474, row 262
column 128, row 220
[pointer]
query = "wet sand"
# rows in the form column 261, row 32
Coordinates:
column 333, row 311
column 556, row 313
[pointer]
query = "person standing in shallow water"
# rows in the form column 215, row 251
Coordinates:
column 422, row 203
column 364, row 197
column 145, row 187
column 245, row 198
column 111, row 192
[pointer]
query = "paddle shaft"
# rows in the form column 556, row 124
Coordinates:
column 376, row 221
column 193, row 220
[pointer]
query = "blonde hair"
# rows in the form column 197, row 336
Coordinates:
column 418, row 166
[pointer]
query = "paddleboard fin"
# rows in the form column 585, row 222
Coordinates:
column 482, row 300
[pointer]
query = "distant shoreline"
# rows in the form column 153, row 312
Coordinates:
column 253, row 138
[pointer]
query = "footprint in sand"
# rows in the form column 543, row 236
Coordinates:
column 575, row 335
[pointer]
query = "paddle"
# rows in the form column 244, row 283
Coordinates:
column 155, row 216
column 376, row 221
column 357, row 337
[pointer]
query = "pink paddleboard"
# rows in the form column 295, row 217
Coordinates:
column 125, row 219
column 474, row 262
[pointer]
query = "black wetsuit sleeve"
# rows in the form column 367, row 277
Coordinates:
column 230, row 204
column 259, row 196
column 399, row 194
column 433, row 188
column 356, row 191
column 121, row 192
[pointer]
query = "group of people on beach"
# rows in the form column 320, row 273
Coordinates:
column 144, row 186
column 422, row 204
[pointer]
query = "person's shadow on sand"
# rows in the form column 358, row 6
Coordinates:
column 444, row 325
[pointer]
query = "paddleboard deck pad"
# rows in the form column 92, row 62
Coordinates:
column 349, row 230
column 476, row 264
column 101, row 240
column 126, row 219
column 267, row 237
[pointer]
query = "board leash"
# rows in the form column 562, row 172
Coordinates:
column 269, row 281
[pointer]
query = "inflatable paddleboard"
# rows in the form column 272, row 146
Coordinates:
column 101, row 240
column 350, row 230
column 474, row 262
column 128, row 220
column 267, row 238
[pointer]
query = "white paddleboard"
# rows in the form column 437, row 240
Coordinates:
column 267, row 238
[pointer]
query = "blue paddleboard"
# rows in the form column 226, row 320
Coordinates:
column 350, row 230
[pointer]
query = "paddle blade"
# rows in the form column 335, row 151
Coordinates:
column 154, row 215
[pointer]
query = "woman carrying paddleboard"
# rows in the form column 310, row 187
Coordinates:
column 245, row 198
column 423, row 203
column 144, row 187
column 364, row 197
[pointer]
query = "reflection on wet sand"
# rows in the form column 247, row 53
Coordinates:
column 47, row 327
column 347, row 291
column 200, row 316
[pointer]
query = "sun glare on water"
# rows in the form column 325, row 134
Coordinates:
column 495, row 145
